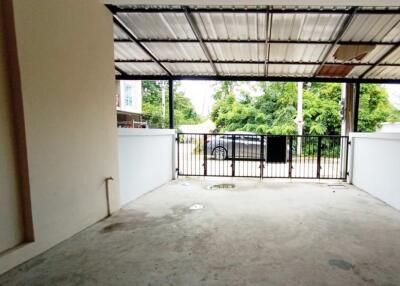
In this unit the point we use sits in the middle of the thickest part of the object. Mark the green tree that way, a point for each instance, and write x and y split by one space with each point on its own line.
274 111
321 109
375 108
153 109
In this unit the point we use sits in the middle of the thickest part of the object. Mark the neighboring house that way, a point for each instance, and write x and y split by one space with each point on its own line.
389 127
129 104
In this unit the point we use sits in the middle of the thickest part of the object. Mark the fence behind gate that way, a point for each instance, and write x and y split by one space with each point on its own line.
263 156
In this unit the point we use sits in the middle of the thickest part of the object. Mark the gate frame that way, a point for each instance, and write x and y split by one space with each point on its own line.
344 143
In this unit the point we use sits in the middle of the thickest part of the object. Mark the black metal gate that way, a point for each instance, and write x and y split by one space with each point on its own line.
262 156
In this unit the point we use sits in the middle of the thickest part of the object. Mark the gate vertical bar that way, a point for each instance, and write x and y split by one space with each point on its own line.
290 155
177 155
262 157
319 157
346 171
233 154
171 103
205 154
356 106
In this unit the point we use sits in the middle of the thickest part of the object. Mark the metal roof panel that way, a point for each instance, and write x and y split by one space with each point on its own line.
382 72
241 69
373 28
297 52
190 68
291 70
119 34
177 51
245 26
129 51
237 51
158 25
308 27
393 58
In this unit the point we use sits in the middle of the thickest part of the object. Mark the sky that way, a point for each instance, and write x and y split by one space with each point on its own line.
394 94
200 92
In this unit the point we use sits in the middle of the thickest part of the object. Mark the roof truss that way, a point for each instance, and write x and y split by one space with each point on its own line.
384 59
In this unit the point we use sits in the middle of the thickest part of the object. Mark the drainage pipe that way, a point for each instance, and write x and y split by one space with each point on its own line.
108 195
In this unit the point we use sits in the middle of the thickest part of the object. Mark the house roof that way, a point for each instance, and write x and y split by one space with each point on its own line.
257 43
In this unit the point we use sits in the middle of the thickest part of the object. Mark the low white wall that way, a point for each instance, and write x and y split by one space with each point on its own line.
375 165
146 160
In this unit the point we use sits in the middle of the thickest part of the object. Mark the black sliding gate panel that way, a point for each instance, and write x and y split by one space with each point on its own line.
262 156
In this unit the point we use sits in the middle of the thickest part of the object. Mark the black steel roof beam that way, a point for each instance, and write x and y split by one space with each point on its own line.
267 39
346 24
120 71
256 78
275 10
192 22
133 38
379 61
219 41
255 62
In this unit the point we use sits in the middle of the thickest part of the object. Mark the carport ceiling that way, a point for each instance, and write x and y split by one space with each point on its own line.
351 44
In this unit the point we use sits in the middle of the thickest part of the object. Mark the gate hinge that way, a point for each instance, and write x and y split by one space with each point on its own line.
349 142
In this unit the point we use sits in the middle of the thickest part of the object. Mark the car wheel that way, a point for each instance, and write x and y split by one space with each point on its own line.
220 153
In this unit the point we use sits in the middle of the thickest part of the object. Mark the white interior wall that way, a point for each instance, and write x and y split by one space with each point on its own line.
65 51
11 232
146 160
375 165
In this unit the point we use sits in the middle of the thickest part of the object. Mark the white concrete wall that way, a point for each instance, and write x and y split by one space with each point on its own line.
375 165
146 160
65 51
11 232
390 127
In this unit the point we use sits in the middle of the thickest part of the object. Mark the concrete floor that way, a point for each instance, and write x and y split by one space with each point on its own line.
261 233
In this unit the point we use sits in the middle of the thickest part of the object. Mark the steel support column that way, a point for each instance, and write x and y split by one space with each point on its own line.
356 106
171 103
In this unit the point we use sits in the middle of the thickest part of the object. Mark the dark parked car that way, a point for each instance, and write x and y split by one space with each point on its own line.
247 146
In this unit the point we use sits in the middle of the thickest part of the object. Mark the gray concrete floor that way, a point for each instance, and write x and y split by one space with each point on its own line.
261 233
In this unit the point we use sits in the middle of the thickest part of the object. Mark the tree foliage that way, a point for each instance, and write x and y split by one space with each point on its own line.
275 110
156 114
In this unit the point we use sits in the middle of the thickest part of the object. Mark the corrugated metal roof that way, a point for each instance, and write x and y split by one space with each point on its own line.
177 51
373 28
308 27
158 26
118 33
291 70
244 26
129 51
296 41
385 72
371 57
393 58
297 52
357 71
190 68
240 69
237 51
